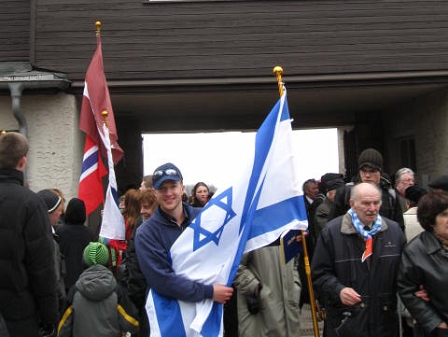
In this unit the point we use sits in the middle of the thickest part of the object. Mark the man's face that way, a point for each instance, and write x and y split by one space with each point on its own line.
169 195
367 204
405 181
370 174
312 191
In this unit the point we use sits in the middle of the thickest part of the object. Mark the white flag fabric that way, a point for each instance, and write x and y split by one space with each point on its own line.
249 214
112 225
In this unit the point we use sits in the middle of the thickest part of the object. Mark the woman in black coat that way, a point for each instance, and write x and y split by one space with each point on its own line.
425 263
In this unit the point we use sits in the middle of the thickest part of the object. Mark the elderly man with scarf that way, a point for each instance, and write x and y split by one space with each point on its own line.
354 268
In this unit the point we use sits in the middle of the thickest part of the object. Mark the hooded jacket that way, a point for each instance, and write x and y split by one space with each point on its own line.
98 307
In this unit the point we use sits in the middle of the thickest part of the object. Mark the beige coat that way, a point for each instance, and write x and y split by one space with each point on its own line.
279 296
411 224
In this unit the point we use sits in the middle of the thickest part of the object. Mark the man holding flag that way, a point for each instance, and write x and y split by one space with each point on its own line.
153 242
187 293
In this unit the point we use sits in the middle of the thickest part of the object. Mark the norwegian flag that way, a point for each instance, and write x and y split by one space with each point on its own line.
90 183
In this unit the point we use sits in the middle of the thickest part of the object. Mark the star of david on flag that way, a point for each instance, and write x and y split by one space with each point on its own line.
248 214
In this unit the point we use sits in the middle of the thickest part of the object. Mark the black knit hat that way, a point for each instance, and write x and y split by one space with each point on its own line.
440 183
334 184
331 181
414 193
370 157
76 212
52 200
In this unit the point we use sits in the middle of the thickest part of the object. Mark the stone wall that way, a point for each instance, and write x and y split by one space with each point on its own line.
55 156
424 119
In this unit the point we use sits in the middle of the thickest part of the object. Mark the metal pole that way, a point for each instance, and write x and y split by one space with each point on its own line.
278 71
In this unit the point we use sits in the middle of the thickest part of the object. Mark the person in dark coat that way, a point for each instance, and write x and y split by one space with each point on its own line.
28 299
424 263
55 209
355 266
73 238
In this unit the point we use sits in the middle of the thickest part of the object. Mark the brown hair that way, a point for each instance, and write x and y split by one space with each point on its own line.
149 197
429 206
13 146
132 207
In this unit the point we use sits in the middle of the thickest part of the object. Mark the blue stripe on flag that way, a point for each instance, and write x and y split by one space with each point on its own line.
90 161
169 316
213 320
277 215
113 190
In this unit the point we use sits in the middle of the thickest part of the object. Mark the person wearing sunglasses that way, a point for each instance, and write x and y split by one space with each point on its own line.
155 237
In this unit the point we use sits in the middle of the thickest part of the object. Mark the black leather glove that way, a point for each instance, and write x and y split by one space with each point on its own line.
253 301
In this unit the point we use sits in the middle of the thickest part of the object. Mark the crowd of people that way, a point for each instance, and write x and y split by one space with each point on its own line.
378 250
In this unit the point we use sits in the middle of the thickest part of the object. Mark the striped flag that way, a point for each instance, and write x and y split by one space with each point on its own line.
92 171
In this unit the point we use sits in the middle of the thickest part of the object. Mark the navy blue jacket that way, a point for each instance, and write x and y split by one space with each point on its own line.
153 241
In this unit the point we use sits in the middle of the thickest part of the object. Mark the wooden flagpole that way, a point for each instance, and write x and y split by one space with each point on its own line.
278 71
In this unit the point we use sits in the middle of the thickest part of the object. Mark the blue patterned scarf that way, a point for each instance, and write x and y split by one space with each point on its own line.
367 235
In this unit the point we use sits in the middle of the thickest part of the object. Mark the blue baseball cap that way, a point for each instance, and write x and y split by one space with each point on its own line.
165 172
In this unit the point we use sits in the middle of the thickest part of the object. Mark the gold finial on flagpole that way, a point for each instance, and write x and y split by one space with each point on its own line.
105 114
278 71
98 28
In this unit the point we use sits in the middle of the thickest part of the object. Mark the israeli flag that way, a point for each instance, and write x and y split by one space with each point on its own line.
249 214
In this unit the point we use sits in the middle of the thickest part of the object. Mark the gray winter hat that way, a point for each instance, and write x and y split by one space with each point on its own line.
52 200
370 157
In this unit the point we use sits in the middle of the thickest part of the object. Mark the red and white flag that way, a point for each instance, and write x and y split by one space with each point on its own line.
95 100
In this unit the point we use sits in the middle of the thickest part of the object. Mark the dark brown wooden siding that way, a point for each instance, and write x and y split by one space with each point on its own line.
14 30
175 40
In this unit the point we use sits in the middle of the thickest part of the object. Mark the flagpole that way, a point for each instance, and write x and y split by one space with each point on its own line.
278 71
98 28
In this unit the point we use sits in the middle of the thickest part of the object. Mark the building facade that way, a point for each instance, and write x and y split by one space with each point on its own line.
374 69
